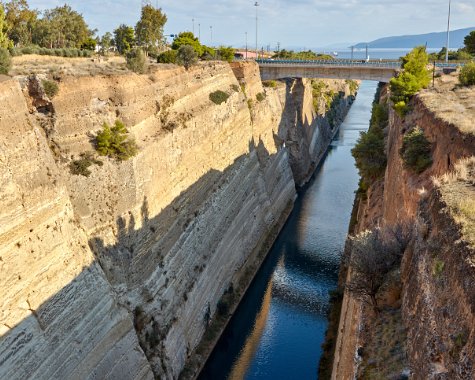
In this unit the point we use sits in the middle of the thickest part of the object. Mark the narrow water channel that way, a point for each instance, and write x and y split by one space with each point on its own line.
279 326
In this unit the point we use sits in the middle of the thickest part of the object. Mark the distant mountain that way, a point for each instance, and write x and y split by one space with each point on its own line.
433 40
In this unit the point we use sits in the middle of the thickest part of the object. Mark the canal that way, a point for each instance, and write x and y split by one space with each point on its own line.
278 329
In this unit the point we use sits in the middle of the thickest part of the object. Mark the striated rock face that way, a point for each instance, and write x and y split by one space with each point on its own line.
115 275
59 316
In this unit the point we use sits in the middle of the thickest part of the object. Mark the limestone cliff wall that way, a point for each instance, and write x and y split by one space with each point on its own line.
437 308
114 274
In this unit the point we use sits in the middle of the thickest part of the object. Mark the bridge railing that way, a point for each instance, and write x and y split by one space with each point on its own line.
333 62
348 63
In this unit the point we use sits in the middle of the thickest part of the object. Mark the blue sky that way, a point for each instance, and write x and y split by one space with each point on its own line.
302 23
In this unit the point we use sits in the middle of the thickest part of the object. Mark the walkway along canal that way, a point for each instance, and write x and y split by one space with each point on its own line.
278 328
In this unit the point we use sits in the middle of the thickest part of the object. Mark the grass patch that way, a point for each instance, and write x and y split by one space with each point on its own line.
458 193
218 97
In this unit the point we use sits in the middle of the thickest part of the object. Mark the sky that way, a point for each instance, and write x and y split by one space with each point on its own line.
296 23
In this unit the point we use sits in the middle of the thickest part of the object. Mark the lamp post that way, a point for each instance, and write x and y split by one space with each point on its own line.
199 32
211 30
256 5
246 45
448 36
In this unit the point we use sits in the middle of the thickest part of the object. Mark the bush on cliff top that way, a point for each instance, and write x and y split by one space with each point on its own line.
136 61
416 151
467 75
114 142
5 61
51 88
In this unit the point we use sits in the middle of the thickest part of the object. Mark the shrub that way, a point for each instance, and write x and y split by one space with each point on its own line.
467 75
416 151
5 61
218 97
167 57
269 83
114 142
369 154
51 88
81 166
226 53
136 61
235 87
261 96
222 307
186 56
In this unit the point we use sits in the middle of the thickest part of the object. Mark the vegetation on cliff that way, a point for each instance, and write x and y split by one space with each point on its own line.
136 61
5 61
467 75
303 55
416 151
412 79
369 150
218 97
115 142
469 42
186 56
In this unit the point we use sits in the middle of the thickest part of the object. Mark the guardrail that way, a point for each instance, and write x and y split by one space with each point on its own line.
347 63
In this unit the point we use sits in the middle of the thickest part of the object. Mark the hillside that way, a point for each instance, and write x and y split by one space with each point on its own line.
433 40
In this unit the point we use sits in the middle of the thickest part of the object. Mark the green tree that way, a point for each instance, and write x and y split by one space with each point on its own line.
65 28
186 56
226 53
124 38
89 44
188 38
106 42
413 78
149 29
136 60
115 142
5 42
469 42
20 20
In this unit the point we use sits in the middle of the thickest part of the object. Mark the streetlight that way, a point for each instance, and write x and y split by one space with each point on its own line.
199 32
246 45
256 5
448 36
193 21
211 29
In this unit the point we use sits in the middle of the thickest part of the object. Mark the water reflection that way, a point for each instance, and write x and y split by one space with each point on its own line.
279 326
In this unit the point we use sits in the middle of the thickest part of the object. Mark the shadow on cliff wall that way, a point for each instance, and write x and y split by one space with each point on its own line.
137 253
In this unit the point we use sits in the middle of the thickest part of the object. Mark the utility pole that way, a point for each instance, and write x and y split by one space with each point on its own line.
246 45
448 36
366 51
256 5
199 32
278 47
211 29
193 21
352 51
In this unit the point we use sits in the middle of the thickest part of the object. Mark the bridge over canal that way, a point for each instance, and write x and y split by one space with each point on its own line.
381 71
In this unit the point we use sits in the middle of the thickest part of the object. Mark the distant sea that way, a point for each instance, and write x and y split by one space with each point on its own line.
373 53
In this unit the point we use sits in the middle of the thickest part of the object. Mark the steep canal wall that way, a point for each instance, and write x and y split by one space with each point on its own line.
430 318
118 272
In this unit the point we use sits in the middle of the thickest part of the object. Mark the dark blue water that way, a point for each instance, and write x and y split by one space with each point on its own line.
279 326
